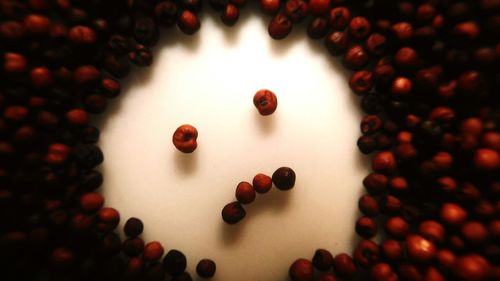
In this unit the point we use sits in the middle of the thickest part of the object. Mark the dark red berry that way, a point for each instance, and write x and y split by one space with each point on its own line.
206 268
368 205
359 27
301 270
284 178
366 253
336 42
133 227
322 259
230 15
233 213
108 219
82 35
319 7
355 57
174 262
366 227
339 18
279 27
471 267
91 201
361 81
344 266
318 28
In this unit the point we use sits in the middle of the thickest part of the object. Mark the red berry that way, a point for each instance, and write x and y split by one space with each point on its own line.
262 183
184 138
265 101
301 270
245 193
153 251
91 201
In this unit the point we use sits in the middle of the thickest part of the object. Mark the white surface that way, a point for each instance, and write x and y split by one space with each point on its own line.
209 80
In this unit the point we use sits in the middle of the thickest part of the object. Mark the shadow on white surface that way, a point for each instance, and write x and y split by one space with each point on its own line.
186 164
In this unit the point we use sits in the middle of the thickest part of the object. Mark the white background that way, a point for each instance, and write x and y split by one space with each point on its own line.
208 80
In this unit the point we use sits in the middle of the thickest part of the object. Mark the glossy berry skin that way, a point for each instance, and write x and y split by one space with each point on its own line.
366 227
262 183
336 42
233 212
230 15
108 219
355 57
184 138
57 154
471 267
319 7
270 7
37 24
359 27
77 117
153 251
391 250
453 214
279 27
382 272
344 266
322 259
284 178
361 81
486 159
432 230
301 270
296 10
245 193
397 227
339 18
368 205
91 201
82 35
419 249
318 28
366 253
188 22
265 101
384 162
14 63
